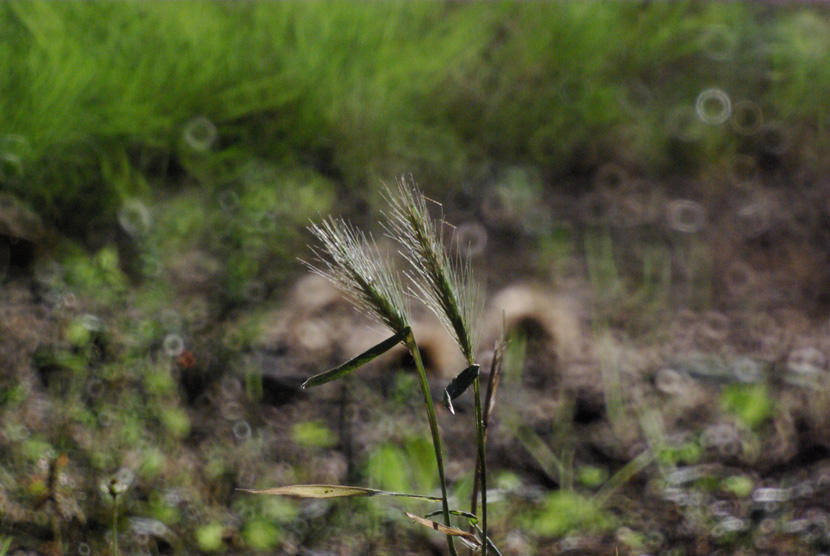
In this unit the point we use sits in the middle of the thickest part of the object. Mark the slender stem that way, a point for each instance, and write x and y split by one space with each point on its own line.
115 525
482 467
433 427
346 431
492 386
56 531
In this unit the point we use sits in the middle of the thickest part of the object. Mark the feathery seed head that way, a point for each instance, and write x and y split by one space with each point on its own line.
352 264
446 286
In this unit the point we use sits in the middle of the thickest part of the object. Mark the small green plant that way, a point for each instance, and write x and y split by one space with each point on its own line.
740 486
209 537
313 434
114 487
564 511
751 404
350 261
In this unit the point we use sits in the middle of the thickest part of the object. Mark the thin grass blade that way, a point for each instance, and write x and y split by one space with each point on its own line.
459 385
356 362
472 518
334 491
490 401
629 470
490 543
451 531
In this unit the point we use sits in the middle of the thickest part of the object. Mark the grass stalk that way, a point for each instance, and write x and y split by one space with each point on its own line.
480 475
412 346
481 464
115 525
56 532
448 289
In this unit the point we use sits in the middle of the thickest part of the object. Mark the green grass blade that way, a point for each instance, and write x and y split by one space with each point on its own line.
4 545
357 361
541 452
629 471
334 491
451 531
490 543
459 385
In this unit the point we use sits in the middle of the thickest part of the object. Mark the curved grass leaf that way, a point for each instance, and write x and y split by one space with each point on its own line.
459 385
490 543
357 361
473 519
451 531
334 491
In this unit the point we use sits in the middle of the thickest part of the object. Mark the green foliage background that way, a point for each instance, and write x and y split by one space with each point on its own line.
100 92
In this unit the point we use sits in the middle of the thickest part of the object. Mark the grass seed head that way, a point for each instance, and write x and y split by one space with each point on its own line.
352 263
446 286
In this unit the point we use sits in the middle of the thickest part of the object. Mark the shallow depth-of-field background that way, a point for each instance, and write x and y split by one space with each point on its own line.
641 186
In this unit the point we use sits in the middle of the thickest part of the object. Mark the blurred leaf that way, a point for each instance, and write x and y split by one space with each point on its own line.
420 461
334 491
591 476
738 485
209 537
314 434
356 362
748 402
13 395
564 511
278 510
5 544
262 535
459 385
389 468
152 462
176 421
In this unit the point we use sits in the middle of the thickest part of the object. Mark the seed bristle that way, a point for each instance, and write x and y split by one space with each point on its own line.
351 262
446 286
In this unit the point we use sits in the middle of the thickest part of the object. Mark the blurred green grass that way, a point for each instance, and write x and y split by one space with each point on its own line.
97 95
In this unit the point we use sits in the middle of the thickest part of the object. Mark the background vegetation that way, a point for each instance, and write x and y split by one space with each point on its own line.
159 162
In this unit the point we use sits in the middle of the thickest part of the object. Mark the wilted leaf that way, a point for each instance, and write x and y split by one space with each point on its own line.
356 362
473 519
459 385
452 531
333 491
